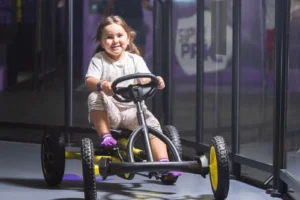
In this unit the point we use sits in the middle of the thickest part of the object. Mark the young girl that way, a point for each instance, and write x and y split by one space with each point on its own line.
117 56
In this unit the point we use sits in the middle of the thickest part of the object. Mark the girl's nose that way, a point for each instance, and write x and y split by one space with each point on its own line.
116 39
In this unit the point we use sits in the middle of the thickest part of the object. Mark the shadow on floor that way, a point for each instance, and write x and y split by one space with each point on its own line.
128 190
150 196
202 197
68 199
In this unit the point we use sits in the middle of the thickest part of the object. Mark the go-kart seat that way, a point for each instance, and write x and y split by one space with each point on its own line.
117 133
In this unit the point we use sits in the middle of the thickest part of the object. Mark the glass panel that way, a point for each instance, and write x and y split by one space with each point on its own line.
293 112
92 12
257 75
30 90
217 69
184 67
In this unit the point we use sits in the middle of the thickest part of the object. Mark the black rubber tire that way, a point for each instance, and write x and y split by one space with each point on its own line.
53 156
172 133
222 158
88 173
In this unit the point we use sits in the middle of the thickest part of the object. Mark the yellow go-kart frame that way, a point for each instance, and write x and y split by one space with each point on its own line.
116 155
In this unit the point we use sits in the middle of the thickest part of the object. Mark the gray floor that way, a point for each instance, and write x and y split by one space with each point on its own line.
21 178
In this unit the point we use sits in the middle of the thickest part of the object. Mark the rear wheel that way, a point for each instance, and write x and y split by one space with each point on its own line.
172 133
89 180
219 167
53 156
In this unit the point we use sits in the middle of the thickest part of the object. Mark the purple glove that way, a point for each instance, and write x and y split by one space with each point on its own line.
108 141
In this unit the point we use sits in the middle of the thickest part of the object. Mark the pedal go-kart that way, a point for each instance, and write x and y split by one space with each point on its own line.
125 160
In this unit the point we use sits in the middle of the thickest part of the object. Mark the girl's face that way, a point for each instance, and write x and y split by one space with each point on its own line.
114 40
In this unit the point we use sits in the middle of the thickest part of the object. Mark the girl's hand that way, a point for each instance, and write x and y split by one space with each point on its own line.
161 83
106 87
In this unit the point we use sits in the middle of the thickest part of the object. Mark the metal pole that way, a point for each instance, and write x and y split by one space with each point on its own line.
157 58
236 168
53 32
282 18
38 29
265 74
200 72
168 7
69 76
283 188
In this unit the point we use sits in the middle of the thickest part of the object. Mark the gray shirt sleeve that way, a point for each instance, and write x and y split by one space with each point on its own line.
140 64
95 68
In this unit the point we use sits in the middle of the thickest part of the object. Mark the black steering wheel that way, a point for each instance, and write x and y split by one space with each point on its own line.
135 92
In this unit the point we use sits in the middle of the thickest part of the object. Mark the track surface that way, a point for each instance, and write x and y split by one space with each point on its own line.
21 178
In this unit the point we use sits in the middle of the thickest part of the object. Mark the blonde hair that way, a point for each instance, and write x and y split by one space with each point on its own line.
116 20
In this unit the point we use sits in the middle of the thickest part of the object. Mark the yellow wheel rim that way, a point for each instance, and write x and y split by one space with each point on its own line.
213 168
96 169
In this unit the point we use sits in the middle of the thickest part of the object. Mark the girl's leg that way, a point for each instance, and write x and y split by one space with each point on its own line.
100 121
158 147
130 122
103 115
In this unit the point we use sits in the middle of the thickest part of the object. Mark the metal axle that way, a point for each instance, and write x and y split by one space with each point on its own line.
108 168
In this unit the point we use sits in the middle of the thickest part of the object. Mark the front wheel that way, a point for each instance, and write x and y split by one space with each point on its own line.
89 180
172 133
53 157
219 167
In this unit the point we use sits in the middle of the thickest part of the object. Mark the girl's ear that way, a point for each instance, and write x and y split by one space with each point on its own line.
128 39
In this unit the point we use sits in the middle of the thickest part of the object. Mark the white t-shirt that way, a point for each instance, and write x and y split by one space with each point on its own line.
103 67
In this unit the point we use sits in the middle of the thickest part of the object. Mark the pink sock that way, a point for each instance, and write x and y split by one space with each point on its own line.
173 174
164 160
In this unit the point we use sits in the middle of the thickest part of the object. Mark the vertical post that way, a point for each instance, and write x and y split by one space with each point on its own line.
44 43
263 99
236 168
69 77
218 41
282 18
53 32
168 8
157 58
283 187
37 52
200 72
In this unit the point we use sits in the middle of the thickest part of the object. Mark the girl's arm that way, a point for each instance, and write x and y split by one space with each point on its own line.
160 84
95 85
91 84
144 80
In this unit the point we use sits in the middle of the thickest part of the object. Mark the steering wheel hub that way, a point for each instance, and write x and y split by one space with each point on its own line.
135 92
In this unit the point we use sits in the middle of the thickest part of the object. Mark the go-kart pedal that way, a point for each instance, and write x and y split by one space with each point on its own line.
157 175
103 152
116 153
109 152
164 177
